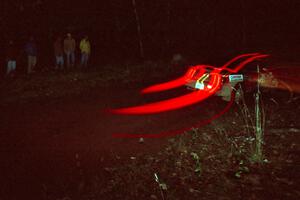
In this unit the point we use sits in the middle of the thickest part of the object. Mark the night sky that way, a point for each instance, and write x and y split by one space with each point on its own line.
195 28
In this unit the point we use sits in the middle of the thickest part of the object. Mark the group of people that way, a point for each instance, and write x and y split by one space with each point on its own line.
66 49
63 49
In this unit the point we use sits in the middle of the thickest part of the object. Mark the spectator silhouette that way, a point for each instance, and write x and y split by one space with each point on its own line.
11 56
85 48
31 51
69 49
59 53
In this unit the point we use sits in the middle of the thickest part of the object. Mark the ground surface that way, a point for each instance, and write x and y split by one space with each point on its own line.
60 146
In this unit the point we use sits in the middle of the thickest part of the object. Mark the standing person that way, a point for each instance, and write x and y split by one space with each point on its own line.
85 48
11 55
59 54
69 48
31 51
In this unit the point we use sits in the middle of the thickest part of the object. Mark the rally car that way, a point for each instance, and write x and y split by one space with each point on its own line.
205 80
200 77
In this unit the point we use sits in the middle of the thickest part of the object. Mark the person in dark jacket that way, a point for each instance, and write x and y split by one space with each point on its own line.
11 56
31 51
59 53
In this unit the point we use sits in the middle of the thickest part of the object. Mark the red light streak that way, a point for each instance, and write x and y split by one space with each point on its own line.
240 66
178 131
174 103
165 86
194 73
177 82
238 57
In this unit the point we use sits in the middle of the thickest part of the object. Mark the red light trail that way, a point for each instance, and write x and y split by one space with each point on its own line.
194 73
178 131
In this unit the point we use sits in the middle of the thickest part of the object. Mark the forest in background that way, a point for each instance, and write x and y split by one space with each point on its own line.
205 29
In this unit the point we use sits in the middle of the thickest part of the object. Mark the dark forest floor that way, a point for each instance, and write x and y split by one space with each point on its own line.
56 142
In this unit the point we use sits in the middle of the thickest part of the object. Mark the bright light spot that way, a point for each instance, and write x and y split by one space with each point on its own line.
199 86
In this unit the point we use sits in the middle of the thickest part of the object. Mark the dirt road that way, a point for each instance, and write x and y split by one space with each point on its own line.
45 139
